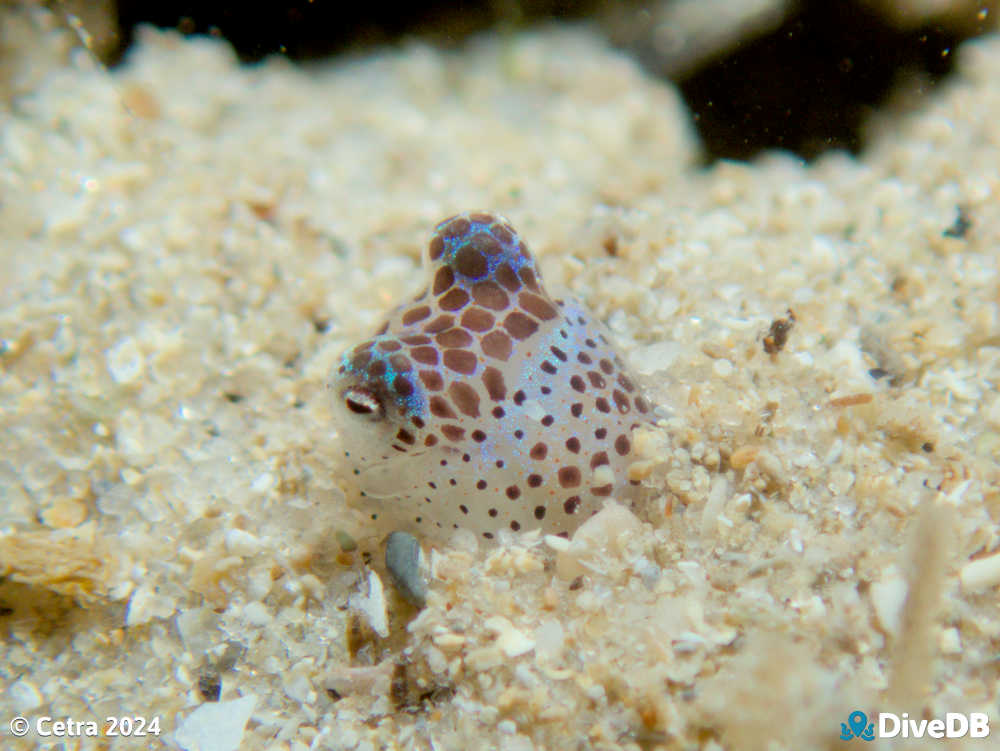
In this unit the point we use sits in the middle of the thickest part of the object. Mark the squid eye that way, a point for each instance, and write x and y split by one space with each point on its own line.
363 402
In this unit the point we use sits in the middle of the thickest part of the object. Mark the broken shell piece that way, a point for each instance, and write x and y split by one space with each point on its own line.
372 606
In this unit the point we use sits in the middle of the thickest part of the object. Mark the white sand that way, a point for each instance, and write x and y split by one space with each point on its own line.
183 229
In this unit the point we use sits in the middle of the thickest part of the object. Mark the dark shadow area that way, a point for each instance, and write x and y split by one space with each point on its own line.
312 29
807 87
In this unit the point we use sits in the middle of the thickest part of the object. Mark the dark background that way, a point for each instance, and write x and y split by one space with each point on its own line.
806 86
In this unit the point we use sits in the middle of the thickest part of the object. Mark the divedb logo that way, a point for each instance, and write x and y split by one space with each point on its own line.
889 725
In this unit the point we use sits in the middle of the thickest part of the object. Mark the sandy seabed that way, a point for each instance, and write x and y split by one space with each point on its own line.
189 244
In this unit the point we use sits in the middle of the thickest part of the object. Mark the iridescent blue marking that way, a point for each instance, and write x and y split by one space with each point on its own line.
511 250
413 403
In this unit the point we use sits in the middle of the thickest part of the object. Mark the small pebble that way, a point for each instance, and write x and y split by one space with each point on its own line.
24 696
980 574
723 368
743 456
257 614
402 559
65 514
215 726
210 685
